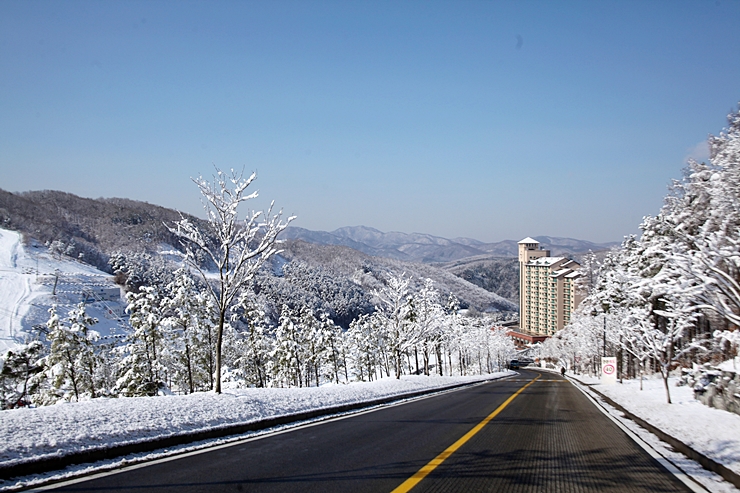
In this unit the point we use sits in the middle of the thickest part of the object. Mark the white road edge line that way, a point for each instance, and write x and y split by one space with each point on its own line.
665 462
209 448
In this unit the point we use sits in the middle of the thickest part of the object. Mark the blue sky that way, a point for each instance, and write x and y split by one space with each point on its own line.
491 120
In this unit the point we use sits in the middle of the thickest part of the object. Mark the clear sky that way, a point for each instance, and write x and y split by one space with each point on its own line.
492 120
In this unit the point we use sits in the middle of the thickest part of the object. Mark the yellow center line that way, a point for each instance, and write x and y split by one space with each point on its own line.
432 465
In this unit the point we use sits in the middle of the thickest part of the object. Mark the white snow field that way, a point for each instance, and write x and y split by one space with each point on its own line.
16 291
27 277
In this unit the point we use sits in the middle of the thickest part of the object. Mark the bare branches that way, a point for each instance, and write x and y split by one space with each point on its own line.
236 248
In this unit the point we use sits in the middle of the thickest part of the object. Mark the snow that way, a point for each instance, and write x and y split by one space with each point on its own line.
730 364
27 277
16 291
710 431
29 434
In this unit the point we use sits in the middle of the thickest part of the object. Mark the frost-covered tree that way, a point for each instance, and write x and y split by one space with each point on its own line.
289 353
72 359
20 369
364 348
256 342
395 310
427 316
141 369
189 341
135 269
236 248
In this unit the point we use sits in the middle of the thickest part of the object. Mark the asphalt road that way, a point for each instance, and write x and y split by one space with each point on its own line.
549 438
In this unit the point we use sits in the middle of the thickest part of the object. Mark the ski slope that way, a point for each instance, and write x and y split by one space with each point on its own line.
28 275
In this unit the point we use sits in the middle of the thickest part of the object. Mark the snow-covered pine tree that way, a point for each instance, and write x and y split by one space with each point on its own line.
72 358
186 349
20 369
335 348
362 347
140 369
289 351
395 310
257 342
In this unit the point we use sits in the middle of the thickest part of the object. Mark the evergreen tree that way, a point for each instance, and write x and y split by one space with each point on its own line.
20 372
72 356
140 368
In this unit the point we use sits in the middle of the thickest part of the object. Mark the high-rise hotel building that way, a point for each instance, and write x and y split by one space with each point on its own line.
547 290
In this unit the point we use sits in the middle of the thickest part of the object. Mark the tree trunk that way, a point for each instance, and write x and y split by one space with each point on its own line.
334 357
210 356
72 375
190 365
219 340
665 372
667 390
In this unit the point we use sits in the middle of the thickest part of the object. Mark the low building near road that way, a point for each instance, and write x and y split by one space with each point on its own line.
523 339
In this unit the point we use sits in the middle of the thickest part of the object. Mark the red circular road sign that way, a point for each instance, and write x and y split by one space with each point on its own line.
609 369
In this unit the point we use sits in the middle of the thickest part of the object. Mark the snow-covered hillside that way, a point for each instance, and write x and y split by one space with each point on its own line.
367 271
28 275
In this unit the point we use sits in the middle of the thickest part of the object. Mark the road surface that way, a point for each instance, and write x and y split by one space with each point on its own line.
548 438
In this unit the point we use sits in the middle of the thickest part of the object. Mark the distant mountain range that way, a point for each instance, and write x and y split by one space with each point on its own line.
417 247
484 276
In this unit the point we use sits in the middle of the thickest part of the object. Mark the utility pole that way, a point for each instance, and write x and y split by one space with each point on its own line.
604 350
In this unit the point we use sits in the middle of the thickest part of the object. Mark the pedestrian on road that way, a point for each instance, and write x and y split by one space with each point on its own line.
562 371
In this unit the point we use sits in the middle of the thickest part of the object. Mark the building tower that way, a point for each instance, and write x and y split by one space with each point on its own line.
547 290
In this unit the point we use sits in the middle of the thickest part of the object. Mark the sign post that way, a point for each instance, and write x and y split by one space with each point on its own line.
609 370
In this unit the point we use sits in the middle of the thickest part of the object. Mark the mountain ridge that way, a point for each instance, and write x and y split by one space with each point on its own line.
426 248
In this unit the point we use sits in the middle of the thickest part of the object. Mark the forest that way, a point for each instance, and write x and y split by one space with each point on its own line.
669 299
238 308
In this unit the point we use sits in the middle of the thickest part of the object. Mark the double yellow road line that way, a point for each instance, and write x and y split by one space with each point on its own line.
432 465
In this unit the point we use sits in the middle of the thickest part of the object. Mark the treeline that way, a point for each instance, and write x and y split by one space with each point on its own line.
171 347
672 297
237 315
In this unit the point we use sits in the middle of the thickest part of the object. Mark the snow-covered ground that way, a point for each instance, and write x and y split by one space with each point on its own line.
32 433
709 431
27 277
16 293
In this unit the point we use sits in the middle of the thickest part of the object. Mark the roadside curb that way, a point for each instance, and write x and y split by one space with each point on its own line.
706 462
54 463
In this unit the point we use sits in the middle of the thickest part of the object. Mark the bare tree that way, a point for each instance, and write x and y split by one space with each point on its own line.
237 249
